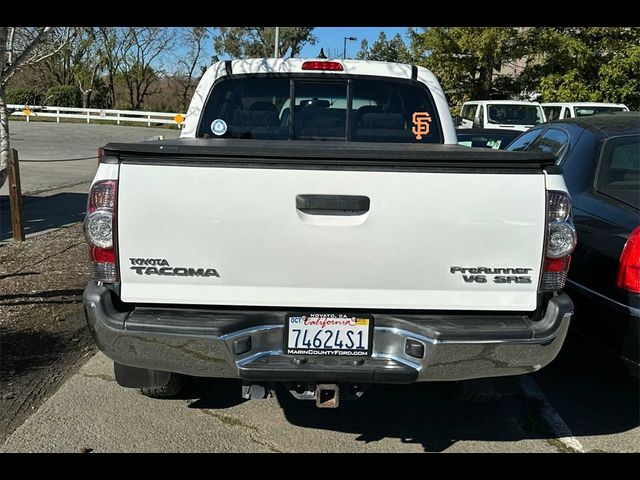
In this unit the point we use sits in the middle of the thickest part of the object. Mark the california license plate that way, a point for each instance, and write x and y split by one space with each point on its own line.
330 334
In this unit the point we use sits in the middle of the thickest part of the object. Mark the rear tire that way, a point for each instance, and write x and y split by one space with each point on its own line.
173 387
485 390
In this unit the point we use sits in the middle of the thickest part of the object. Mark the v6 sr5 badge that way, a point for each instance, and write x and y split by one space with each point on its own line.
492 274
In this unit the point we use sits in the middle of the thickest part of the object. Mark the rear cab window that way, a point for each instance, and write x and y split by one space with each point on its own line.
514 114
522 143
552 113
618 173
469 112
553 141
351 108
586 111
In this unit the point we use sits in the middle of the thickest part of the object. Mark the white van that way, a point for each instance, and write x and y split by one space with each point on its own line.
559 110
511 114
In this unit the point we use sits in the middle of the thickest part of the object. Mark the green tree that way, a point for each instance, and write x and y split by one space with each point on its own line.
467 60
88 63
620 78
584 64
78 63
113 43
23 96
383 50
258 42
64 96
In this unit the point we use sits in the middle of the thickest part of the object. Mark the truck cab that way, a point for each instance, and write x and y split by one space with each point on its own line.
507 114
561 110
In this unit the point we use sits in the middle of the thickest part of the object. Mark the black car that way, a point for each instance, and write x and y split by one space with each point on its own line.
600 156
497 138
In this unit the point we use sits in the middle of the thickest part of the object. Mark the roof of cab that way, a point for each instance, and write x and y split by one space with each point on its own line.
294 65
506 102
582 104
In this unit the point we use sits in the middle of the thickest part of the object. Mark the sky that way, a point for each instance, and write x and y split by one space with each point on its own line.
332 39
329 38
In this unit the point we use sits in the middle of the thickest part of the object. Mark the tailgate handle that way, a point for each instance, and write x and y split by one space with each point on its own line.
345 205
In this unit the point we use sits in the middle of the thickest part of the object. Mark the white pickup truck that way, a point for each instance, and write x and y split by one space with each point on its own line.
560 110
342 242
507 114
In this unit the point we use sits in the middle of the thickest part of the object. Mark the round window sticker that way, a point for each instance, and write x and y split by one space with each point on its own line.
219 127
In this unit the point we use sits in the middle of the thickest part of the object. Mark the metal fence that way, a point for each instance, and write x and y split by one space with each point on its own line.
93 114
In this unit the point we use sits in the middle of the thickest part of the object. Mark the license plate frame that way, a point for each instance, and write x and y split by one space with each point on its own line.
331 322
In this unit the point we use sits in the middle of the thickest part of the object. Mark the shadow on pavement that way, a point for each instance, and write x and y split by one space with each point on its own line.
593 393
33 298
213 393
26 350
593 397
590 389
424 414
44 213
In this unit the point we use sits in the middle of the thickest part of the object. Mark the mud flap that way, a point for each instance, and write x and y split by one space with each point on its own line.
133 377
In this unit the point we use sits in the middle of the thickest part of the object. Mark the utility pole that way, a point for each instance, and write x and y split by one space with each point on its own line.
276 53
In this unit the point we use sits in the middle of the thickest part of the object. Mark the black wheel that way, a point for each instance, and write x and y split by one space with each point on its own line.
172 388
484 390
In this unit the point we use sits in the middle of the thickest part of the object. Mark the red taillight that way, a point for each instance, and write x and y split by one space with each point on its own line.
629 267
102 255
315 65
99 228
560 241
557 264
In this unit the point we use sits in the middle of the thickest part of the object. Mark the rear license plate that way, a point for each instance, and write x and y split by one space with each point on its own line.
329 334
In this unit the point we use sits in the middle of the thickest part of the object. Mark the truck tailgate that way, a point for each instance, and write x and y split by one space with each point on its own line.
222 235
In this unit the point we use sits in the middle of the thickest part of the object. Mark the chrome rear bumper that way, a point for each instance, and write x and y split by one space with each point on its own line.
248 344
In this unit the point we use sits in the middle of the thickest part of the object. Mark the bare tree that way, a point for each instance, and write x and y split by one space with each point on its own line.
143 61
113 43
194 39
87 63
20 47
57 69
78 63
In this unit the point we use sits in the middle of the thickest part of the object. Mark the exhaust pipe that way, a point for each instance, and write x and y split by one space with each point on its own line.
327 395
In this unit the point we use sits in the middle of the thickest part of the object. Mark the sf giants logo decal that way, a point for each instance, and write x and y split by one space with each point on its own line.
421 121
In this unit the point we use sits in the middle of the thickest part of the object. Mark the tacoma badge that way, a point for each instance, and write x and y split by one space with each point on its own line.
160 266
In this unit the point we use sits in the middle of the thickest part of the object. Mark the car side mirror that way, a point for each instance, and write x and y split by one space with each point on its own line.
476 122
457 120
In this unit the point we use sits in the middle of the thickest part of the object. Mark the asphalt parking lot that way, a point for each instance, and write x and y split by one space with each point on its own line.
583 402
59 156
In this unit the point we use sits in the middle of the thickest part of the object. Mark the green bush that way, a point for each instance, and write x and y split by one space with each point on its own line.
100 96
64 96
23 96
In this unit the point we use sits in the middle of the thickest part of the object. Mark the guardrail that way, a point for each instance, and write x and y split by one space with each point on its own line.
101 114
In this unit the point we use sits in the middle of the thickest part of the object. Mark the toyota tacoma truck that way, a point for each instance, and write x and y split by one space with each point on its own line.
317 226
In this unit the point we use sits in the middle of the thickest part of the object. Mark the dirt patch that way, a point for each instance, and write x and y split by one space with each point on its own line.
43 334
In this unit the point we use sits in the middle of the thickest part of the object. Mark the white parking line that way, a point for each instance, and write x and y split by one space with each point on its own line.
549 415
